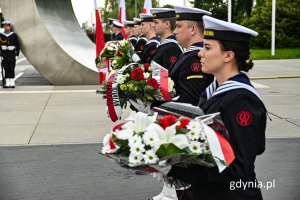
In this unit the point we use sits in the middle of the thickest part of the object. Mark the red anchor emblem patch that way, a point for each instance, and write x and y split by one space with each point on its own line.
196 67
172 59
244 118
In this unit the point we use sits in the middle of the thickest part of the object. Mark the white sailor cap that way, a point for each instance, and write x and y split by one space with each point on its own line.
146 17
222 30
192 14
6 22
128 23
110 20
137 21
117 24
159 13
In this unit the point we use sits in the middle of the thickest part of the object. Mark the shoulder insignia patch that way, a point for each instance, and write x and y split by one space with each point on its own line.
196 67
244 118
172 59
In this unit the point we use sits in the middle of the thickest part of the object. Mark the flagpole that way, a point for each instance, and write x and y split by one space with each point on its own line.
135 8
273 27
229 11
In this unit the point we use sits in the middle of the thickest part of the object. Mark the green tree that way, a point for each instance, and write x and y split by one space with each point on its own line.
287 24
219 8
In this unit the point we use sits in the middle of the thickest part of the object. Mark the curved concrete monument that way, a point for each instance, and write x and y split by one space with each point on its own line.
52 40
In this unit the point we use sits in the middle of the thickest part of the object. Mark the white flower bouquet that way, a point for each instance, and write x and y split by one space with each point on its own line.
146 140
116 53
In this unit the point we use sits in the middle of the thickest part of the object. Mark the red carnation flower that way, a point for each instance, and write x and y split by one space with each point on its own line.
137 74
183 123
167 120
146 66
152 82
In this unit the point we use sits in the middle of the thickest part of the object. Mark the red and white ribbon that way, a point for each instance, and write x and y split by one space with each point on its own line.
220 148
112 98
160 74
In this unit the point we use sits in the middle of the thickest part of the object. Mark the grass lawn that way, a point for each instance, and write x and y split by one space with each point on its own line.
265 54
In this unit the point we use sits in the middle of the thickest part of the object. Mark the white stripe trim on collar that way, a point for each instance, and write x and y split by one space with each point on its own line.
232 85
152 41
168 41
143 38
193 48
7 35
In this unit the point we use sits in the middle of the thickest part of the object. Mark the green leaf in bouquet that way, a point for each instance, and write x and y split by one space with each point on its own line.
142 82
123 144
118 59
207 157
182 131
167 150
148 89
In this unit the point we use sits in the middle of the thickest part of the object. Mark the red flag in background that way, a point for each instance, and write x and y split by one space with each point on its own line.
99 42
99 31
122 16
147 6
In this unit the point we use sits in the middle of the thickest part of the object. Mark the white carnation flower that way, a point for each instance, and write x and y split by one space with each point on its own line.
110 48
150 157
135 160
197 131
124 134
121 79
170 84
151 138
123 43
146 75
206 148
196 147
193 135
136 139
137 148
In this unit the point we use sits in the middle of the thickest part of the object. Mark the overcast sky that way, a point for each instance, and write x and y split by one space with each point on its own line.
83 8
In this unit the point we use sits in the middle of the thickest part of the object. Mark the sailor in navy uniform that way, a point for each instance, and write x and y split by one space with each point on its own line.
9 52
110 22
226 54
142 40
116 27
186 73
168 51
129 26
152 40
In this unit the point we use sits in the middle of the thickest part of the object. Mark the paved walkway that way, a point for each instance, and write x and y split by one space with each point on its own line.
77 172
37 113
47 114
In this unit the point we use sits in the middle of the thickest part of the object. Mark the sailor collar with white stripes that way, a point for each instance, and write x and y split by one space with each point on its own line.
228 85
169 40
195 47
155 39
7 34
